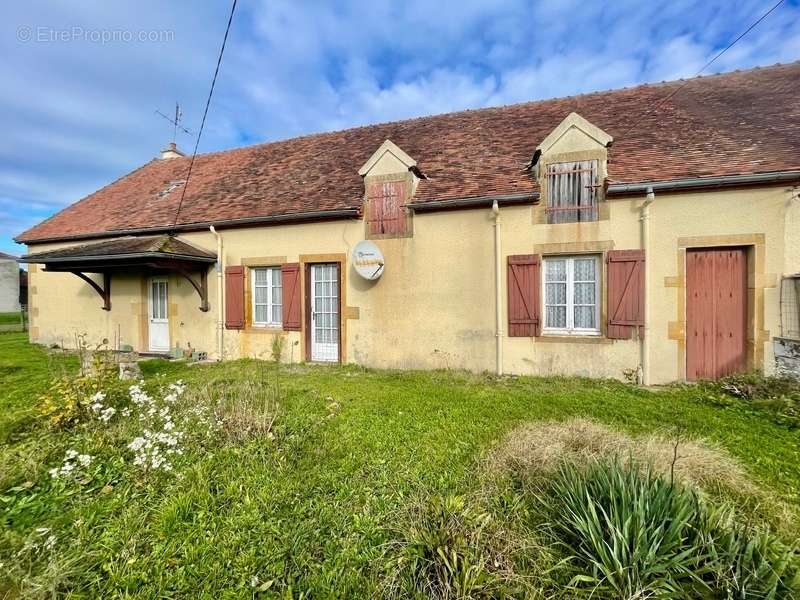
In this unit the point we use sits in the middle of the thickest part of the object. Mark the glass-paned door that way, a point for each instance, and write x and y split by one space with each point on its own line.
325 312
159 317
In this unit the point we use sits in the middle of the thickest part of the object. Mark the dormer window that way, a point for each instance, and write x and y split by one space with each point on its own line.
390 179
572 191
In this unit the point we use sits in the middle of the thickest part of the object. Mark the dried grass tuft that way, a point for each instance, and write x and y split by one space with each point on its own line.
536 450
244 410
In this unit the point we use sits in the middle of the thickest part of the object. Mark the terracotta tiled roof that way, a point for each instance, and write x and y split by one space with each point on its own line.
152 245
736 123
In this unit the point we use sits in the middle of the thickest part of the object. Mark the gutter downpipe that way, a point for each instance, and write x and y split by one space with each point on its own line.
497 291
220 299
644 342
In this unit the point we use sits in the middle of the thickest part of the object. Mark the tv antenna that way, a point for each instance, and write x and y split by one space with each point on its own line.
176 122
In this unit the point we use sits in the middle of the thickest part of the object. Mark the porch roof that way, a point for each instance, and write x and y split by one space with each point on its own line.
159 251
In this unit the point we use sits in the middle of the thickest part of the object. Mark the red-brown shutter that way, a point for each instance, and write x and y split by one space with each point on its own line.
290 280
523 295
386 210
234 297
625 293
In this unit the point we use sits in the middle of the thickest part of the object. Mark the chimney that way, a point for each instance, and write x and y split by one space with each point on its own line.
171 151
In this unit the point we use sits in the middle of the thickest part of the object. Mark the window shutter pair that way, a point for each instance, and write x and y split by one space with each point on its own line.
234 297
625 274
625 287
523 282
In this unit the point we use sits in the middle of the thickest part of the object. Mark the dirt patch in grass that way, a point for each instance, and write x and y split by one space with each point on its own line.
536 450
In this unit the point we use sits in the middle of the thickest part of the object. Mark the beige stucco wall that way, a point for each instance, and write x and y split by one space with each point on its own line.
434 306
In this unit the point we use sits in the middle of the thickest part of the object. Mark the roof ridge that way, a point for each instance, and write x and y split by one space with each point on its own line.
356 128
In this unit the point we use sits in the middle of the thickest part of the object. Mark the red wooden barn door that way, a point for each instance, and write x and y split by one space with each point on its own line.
716 312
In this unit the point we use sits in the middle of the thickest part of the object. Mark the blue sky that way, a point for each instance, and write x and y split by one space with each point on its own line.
76 113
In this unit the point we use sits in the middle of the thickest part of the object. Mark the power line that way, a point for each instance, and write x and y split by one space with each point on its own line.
205 112
705 66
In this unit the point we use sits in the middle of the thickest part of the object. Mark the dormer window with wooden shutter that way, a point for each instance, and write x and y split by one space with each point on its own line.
572 191
390 179
571 166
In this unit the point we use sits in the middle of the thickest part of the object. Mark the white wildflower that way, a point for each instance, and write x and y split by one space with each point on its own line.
85 460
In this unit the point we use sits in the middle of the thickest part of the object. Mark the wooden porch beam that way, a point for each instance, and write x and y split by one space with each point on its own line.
105 291
201 288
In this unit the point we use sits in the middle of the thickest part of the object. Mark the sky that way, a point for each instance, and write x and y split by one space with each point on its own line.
81 80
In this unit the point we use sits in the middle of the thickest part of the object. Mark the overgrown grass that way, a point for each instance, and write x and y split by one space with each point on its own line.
776 395
320 496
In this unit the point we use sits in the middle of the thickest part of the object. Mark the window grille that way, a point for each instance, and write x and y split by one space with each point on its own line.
572 192
790 307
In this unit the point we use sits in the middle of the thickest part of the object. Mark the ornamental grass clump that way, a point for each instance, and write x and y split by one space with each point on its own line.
629 533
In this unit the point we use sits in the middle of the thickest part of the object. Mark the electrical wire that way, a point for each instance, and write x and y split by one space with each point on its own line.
205 113
705 66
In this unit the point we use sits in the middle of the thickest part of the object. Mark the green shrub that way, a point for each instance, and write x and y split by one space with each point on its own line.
632 534
629 533
69 398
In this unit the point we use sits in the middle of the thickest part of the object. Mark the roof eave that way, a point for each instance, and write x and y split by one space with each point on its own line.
319 215
474 201
698 183
44 260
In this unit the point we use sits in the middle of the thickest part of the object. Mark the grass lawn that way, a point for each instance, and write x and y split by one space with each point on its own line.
311 508
11 318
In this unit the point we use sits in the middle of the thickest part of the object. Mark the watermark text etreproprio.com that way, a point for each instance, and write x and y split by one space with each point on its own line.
43 34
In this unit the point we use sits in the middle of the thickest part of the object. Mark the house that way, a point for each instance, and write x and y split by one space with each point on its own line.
639 232
9 283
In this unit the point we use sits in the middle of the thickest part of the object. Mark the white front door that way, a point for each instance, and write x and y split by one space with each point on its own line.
325 312
159 321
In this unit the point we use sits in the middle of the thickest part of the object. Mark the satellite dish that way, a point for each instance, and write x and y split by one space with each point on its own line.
368 260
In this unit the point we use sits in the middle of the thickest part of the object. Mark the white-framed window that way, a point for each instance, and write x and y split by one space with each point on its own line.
572 192
267 290
572 294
